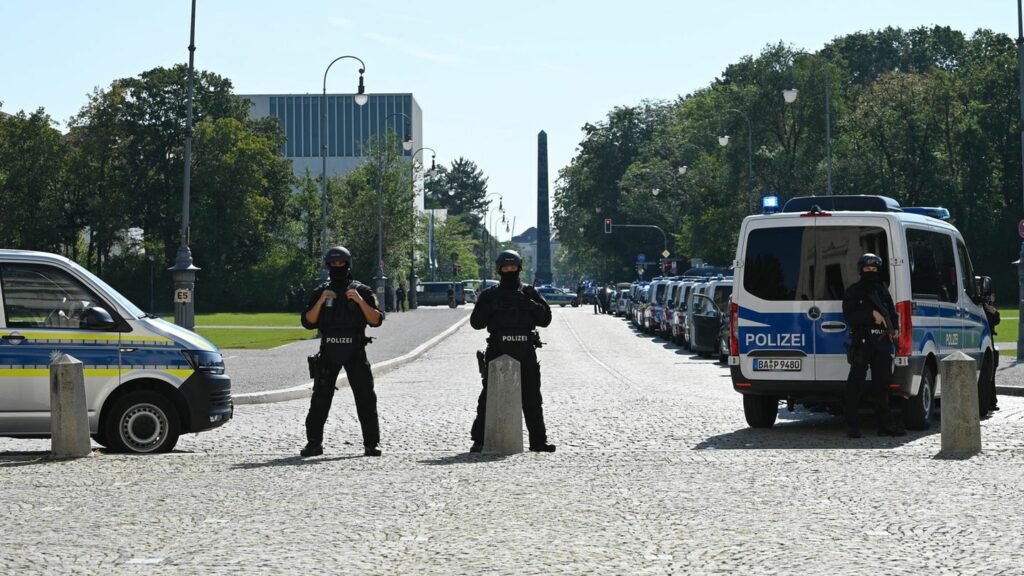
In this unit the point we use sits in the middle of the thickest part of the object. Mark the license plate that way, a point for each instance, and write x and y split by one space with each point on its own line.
778 365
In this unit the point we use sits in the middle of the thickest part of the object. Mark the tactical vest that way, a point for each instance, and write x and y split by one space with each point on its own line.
341 326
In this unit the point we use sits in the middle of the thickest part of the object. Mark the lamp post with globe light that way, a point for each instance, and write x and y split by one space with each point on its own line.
723 140
790 94
380 278
360 99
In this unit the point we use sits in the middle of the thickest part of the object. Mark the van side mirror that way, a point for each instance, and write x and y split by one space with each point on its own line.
97 318
983 287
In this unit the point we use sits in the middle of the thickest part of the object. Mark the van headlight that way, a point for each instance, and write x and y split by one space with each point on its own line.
205 361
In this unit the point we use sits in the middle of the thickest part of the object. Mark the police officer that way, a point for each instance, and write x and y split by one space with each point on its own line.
341 309
511 312
874 325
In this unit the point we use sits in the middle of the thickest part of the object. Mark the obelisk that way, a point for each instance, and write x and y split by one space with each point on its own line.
543 220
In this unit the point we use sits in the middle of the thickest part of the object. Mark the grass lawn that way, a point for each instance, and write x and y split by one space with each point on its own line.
255 319
255 338
1007 330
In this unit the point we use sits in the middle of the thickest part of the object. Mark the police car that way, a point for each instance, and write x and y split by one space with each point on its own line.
146 380
791 271
557 296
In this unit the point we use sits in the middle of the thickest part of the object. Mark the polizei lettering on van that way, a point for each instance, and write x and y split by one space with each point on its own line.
775 340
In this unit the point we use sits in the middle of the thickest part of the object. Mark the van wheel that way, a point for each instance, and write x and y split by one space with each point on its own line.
760 411
920 409
986 387
142 422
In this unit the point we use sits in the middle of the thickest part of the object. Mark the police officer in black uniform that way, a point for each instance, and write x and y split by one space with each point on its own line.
341 309
511 312
874 326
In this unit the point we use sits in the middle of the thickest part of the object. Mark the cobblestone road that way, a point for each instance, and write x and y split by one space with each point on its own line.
656 473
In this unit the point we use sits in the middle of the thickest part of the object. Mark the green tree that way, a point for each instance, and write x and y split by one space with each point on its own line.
35 214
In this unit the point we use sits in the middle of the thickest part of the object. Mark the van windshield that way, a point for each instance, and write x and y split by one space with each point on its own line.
809 262
109 292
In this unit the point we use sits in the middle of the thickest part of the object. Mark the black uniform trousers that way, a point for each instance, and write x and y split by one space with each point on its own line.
880 362
360 380
533 413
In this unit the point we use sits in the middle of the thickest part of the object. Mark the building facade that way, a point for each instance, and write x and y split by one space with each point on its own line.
347 128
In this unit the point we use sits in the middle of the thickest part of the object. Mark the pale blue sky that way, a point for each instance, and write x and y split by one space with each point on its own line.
488 75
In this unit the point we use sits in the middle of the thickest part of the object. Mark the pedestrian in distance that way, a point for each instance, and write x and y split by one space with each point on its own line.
341 309
400 294
511 313
597 299
992 315
874 327
451 295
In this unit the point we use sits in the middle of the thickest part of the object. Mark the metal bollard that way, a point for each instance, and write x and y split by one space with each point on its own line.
69 414
961 427
503 419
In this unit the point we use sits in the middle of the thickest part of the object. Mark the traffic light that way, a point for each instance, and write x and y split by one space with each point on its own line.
607 225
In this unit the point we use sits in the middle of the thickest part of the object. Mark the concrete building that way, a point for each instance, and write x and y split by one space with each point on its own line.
349 127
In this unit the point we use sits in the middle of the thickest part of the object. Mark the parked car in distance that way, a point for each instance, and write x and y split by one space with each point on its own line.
557 296
470 295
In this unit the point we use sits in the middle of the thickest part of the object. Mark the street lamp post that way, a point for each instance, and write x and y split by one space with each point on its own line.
412 251
684 167
501 208
360 98
493 240
183 271
380 278
723 140
1020 260
789 95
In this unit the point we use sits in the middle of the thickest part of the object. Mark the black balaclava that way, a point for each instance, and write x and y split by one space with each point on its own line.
509 279
340 275
871 277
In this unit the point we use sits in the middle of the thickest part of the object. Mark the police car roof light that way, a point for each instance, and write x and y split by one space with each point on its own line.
861 202
932 211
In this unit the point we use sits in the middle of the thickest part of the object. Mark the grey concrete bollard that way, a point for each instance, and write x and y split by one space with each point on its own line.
961 427
503 419
69 414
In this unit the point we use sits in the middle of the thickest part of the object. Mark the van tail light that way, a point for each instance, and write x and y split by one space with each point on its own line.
734 340
905 343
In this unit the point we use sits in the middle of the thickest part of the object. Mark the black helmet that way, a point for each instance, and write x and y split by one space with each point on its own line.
868 259
508 258
338 254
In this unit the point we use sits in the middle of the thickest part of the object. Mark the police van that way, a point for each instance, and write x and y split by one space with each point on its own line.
146 380
788 333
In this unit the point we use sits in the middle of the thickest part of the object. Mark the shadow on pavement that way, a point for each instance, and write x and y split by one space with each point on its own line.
292 461
464 458
12 459
810 434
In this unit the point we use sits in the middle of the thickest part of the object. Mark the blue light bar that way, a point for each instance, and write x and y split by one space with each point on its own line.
770 204
932 211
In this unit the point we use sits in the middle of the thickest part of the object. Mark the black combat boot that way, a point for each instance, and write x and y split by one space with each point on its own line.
371 451
476 447
312 449
545 447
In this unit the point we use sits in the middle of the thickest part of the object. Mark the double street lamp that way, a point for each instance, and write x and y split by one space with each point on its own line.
380 278
790 94
723 140
360 98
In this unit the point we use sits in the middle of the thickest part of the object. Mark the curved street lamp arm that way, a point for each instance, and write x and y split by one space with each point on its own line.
362 70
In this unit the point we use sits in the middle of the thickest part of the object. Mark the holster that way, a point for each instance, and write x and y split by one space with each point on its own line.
535 339
314 365
481 363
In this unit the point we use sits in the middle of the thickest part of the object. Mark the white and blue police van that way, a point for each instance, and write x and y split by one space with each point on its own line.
146 380
788 333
